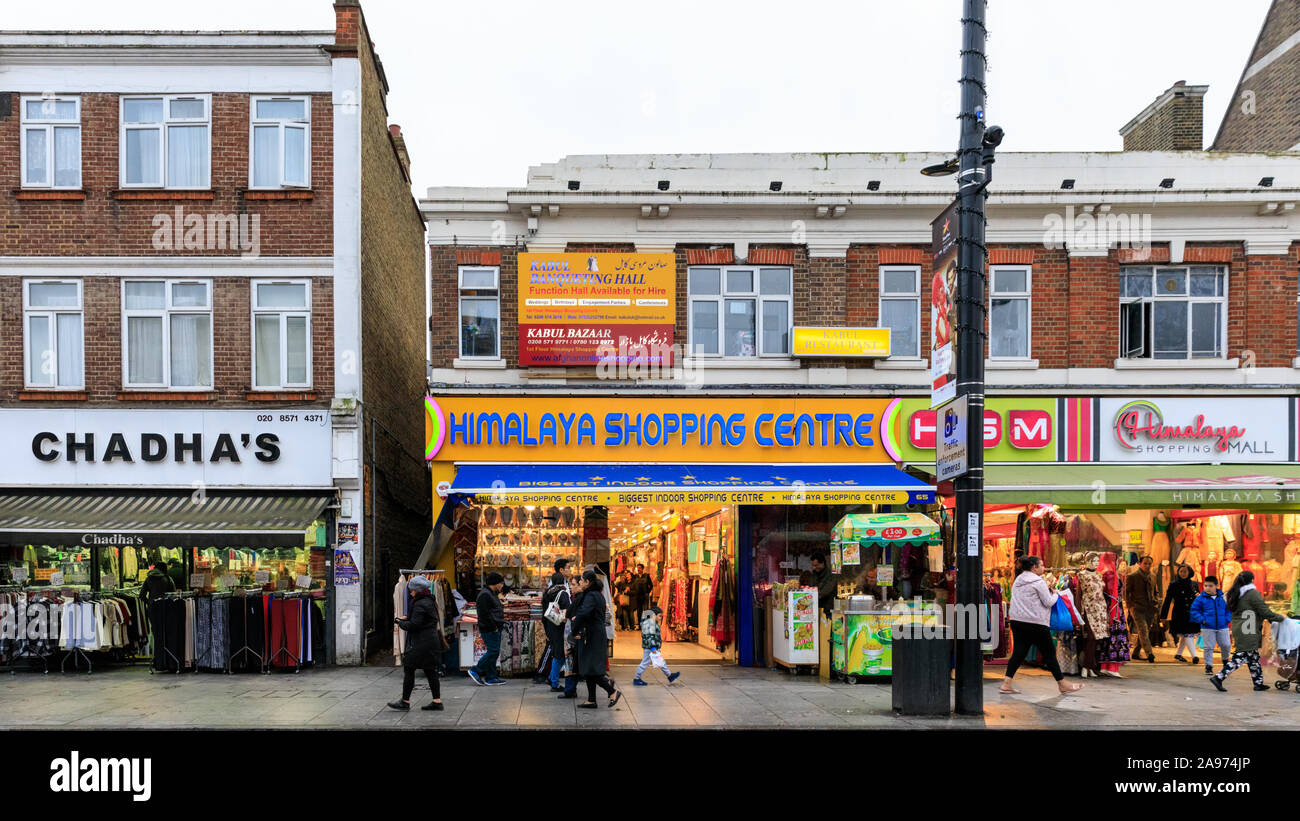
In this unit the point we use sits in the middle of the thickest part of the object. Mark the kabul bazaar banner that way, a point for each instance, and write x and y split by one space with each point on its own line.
588 309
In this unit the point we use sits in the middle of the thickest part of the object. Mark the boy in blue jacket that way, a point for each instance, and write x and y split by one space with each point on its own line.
1211 610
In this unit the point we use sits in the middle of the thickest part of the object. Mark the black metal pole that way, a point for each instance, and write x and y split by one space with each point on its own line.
970 357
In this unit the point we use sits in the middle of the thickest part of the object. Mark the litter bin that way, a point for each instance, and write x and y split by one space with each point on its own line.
922 661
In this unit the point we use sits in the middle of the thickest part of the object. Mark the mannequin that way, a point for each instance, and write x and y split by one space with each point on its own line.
1190 538
1092 601
1159 550
1229 568
1114 650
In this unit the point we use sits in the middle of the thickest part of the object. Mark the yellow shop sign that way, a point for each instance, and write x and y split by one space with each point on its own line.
841 341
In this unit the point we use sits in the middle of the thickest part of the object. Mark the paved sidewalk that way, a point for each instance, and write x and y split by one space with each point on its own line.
1159 696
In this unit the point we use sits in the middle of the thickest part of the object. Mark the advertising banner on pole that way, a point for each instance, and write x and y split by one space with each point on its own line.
943 307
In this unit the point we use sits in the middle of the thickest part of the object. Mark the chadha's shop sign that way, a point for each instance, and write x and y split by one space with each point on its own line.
588 309
1195 429
692 429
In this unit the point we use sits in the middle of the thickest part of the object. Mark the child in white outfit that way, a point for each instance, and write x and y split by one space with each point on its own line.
651 642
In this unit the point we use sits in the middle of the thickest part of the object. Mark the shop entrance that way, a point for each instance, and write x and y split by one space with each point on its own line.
681 559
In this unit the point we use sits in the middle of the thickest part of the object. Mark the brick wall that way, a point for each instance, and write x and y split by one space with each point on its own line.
231 340
104 220
1074 307
1264 114
1175 126
392 339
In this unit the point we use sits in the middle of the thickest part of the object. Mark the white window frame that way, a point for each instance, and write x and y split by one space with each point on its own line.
1025 295
304 124
284 314
47 125
1186 298
720 300
460 289
161 128
52 315
882 297
166 313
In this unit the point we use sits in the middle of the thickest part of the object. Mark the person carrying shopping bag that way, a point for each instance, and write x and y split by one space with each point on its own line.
1030 614
1249 612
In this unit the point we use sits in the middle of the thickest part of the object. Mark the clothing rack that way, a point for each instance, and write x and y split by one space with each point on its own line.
262 664
160 642
284 649
425 572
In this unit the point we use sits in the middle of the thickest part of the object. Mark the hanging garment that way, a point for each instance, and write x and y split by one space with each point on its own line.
722 604
1159 549
1067 653
1092 593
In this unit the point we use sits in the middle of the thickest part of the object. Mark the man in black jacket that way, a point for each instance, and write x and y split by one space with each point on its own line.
558 592
491 616
640 592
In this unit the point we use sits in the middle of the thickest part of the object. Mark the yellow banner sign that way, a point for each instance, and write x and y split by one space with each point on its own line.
725 497
681 429
841 341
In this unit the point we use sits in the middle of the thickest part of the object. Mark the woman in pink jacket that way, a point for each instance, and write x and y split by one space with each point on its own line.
1030 613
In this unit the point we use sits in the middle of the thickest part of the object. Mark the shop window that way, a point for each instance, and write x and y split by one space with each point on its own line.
1009 312
900 309
281 334
166 142
280 142
1172 312
480 312
51 142
740 312
167 341
52 321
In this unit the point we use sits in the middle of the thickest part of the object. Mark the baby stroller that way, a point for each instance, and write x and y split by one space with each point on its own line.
1287 634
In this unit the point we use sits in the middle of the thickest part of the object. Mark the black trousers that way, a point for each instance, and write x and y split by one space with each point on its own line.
408 681
1025 635
602 681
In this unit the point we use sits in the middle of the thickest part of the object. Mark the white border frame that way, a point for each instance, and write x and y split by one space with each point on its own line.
720 299
460 286
52 313
283 314
161 127
881 296
166 312
304 124
1027 295
24 124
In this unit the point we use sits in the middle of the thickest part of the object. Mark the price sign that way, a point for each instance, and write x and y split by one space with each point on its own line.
229 580
20 574
303 582
108 581
56 578
261 576
198 580
885 575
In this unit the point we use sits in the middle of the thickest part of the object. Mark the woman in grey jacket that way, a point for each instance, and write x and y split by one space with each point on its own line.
1030 613
1249 612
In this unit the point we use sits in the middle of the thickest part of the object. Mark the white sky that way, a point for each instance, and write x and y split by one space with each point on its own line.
485 89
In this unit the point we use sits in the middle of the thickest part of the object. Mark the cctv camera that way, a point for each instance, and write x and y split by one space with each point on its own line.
993 136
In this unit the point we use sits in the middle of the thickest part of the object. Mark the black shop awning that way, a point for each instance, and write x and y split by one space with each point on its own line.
169 518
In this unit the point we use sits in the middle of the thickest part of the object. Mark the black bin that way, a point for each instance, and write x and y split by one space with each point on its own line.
921 682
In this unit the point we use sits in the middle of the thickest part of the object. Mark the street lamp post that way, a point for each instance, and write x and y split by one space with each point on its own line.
975 160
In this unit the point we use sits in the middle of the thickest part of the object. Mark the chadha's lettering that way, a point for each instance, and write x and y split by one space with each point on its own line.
155 447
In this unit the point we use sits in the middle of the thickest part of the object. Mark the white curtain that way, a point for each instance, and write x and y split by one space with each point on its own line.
296 342
70 355
67 156
295 155
191 349
38 347
187 156
266 155
144 342
38 151
142 146
267 363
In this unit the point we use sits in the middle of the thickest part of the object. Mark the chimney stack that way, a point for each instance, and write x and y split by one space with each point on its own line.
399 145
1173 122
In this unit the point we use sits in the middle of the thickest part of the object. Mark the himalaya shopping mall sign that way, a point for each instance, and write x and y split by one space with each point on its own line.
1197 429
166 448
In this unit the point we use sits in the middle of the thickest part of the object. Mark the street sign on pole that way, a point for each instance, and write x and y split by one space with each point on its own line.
950 453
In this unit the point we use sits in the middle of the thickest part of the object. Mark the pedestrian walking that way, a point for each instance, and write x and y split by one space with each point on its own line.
491 617
591 644
641 589
1140 597
1210 610
1248 614
1179 599
651 646
560 594
1029 615
425 644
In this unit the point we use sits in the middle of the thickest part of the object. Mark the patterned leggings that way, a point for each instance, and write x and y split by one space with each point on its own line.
1249 658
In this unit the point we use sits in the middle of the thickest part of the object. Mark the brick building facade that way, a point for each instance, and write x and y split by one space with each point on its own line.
190 236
